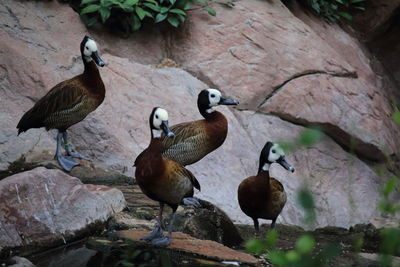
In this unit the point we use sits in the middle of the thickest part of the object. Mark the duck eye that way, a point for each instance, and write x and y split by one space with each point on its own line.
212 95
273 151
156 116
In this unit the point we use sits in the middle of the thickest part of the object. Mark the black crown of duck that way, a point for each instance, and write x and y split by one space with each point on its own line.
194 140
68 103
262 196
162 179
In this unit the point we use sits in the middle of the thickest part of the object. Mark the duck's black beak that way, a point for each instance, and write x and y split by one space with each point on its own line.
284 164
226 101
166 130
97 59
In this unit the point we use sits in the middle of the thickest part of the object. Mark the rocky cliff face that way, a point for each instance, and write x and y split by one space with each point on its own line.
288 71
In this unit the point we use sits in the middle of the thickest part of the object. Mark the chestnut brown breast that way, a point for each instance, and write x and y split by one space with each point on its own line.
162 179
261 197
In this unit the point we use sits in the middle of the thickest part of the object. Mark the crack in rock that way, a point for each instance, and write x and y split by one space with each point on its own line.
278 88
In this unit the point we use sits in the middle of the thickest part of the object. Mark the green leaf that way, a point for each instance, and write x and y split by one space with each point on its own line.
164 9
255 246
173 21
135 23
130 2
84 2
309 137
271 237
345 15
153 7
104 14
210 11
359 8
305 244
152 1
88 21
172 2
187 5
181 18
160 17
305 199
293 256
202 1
389 186
278 257
90 9
396 117
140 12
178 11
316 7
356 1
340 1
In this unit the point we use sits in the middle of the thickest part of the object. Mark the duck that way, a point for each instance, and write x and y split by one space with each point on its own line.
162 179
194 140
262 196
68 103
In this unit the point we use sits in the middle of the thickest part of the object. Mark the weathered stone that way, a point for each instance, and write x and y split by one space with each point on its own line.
124 221
42 207
20 262
184 243
208 223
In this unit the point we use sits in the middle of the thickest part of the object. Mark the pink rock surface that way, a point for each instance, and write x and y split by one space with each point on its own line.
42 207
248 52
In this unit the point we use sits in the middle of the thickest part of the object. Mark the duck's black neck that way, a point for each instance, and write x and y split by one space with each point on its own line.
203 111
263 167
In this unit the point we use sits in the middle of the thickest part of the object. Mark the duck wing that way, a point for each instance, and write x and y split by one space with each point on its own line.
62 98
189 143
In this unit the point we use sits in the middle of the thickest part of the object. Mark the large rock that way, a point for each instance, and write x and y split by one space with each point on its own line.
41 208
258 49
251 52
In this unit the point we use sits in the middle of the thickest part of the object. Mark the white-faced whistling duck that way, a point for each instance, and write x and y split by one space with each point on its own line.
194 140
262 196
68 103
162 179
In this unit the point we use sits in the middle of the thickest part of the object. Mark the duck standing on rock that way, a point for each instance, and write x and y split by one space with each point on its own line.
262 196
68 103
163 179
194 140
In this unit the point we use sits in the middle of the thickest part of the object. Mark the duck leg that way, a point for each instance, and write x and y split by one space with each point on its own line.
69 150
157 231
256 227
165 240
273 224
193 201
66 163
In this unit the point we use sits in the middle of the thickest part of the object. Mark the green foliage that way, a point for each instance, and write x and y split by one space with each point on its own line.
131 14
336 10
306 201
307 138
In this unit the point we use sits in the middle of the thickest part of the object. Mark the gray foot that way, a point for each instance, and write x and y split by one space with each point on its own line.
73 154
157 233
191 201
161 242
66 163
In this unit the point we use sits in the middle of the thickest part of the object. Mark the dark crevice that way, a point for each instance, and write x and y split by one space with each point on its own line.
278 88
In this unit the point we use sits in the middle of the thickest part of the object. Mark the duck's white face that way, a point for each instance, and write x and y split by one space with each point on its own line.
214 97
89 48
159 116
275 153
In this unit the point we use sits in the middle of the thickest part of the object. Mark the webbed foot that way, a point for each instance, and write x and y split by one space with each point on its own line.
66 163
191 201
73 154
157 233
161 242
